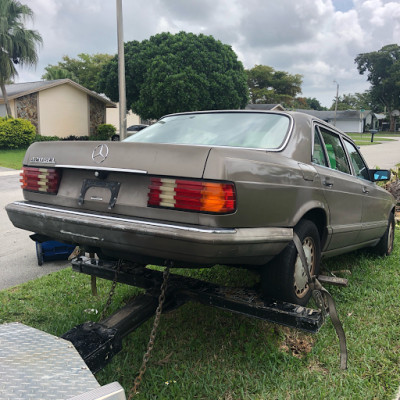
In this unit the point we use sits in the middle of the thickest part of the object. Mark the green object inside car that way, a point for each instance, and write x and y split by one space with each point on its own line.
331 155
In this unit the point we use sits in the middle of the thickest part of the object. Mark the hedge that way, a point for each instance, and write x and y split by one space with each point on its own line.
20 133
16 133
104 132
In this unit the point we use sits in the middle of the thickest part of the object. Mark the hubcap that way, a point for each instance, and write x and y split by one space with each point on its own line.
300 276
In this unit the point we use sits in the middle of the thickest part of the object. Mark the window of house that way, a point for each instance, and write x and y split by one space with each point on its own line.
3 110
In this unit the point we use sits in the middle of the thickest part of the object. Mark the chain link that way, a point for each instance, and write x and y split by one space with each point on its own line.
112 290
153 333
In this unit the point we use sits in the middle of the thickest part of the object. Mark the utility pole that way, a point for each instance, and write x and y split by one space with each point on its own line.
337 97
121 73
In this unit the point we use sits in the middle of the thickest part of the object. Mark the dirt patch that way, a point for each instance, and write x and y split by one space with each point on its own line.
297 343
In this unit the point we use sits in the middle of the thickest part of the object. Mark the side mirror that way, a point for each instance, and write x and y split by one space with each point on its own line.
379 175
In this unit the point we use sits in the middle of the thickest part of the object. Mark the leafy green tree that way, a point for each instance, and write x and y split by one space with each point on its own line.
269 86
54 72
173 73
84 70
383 69
357 101
18 45
308 103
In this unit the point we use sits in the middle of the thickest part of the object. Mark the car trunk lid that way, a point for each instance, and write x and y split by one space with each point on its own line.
145 158
112 177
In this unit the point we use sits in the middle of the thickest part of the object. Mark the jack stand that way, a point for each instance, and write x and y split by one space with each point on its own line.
324 299
97 343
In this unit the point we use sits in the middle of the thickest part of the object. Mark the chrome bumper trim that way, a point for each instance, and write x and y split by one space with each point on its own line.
261 235
131 171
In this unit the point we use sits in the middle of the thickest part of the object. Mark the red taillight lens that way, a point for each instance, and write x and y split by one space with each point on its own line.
183 194
44 180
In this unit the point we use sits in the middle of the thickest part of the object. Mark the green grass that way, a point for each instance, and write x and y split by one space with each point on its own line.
12 158
205 353
364 139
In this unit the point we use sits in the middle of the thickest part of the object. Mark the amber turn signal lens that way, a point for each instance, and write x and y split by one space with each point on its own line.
203 196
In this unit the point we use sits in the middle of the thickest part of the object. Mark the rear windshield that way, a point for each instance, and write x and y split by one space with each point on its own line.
251 130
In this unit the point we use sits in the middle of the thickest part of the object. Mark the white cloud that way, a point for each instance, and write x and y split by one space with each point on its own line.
316 38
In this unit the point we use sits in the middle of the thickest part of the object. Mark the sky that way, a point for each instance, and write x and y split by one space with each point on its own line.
318 39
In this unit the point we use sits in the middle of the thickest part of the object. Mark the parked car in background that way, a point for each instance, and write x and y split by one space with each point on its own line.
135 128
203 188
131 130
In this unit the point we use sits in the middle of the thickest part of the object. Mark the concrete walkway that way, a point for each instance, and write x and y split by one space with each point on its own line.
384 155
18 262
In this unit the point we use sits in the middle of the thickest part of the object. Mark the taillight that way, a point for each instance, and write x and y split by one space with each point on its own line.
214 197
44 180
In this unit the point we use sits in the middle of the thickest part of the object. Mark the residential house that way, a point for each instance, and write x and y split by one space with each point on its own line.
265 107
60 107
347 121
113 117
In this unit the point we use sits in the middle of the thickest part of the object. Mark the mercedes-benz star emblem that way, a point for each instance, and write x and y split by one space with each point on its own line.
100 153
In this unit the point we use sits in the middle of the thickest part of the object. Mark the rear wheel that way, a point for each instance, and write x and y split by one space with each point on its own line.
284 277
385 245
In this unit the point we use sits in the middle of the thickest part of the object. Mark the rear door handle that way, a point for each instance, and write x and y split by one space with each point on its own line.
326 182
365 190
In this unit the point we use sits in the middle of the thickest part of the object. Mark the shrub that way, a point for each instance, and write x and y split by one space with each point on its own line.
73 137
16 133
40 138
104 132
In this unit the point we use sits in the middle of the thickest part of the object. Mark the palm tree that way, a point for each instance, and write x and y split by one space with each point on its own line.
17 44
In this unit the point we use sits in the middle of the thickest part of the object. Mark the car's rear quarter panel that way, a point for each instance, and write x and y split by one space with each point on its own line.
272 190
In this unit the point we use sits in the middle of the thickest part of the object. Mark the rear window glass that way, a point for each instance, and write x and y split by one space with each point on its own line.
251 130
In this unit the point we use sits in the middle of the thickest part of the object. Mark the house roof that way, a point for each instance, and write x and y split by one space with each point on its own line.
340 115
16 90
271 107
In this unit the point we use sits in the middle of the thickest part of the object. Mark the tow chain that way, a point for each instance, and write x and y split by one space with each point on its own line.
112 290
153 333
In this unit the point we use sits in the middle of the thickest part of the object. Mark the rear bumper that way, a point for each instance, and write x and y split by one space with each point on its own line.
131 238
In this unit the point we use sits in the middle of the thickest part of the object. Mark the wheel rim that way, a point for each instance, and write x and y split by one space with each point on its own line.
300 276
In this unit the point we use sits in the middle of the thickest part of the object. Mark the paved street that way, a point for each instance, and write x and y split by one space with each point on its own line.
385 155
18 262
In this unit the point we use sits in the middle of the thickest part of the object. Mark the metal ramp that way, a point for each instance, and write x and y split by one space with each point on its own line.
35 365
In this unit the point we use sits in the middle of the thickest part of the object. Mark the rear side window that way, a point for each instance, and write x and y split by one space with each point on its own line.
318 156
360 169
335 151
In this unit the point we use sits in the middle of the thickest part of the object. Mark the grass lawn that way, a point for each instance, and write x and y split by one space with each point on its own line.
205 353
12 158
364 139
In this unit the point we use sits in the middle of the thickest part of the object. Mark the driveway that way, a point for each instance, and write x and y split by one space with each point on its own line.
384 155
18 262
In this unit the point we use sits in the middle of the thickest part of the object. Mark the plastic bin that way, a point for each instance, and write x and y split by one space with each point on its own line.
52 250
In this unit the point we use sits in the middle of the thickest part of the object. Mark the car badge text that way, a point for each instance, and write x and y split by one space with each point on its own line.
100 153
44 160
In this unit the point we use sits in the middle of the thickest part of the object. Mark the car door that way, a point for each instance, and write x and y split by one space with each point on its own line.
342 190
374 217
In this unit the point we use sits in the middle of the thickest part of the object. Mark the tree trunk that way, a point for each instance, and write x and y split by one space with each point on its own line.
5 97
392 122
